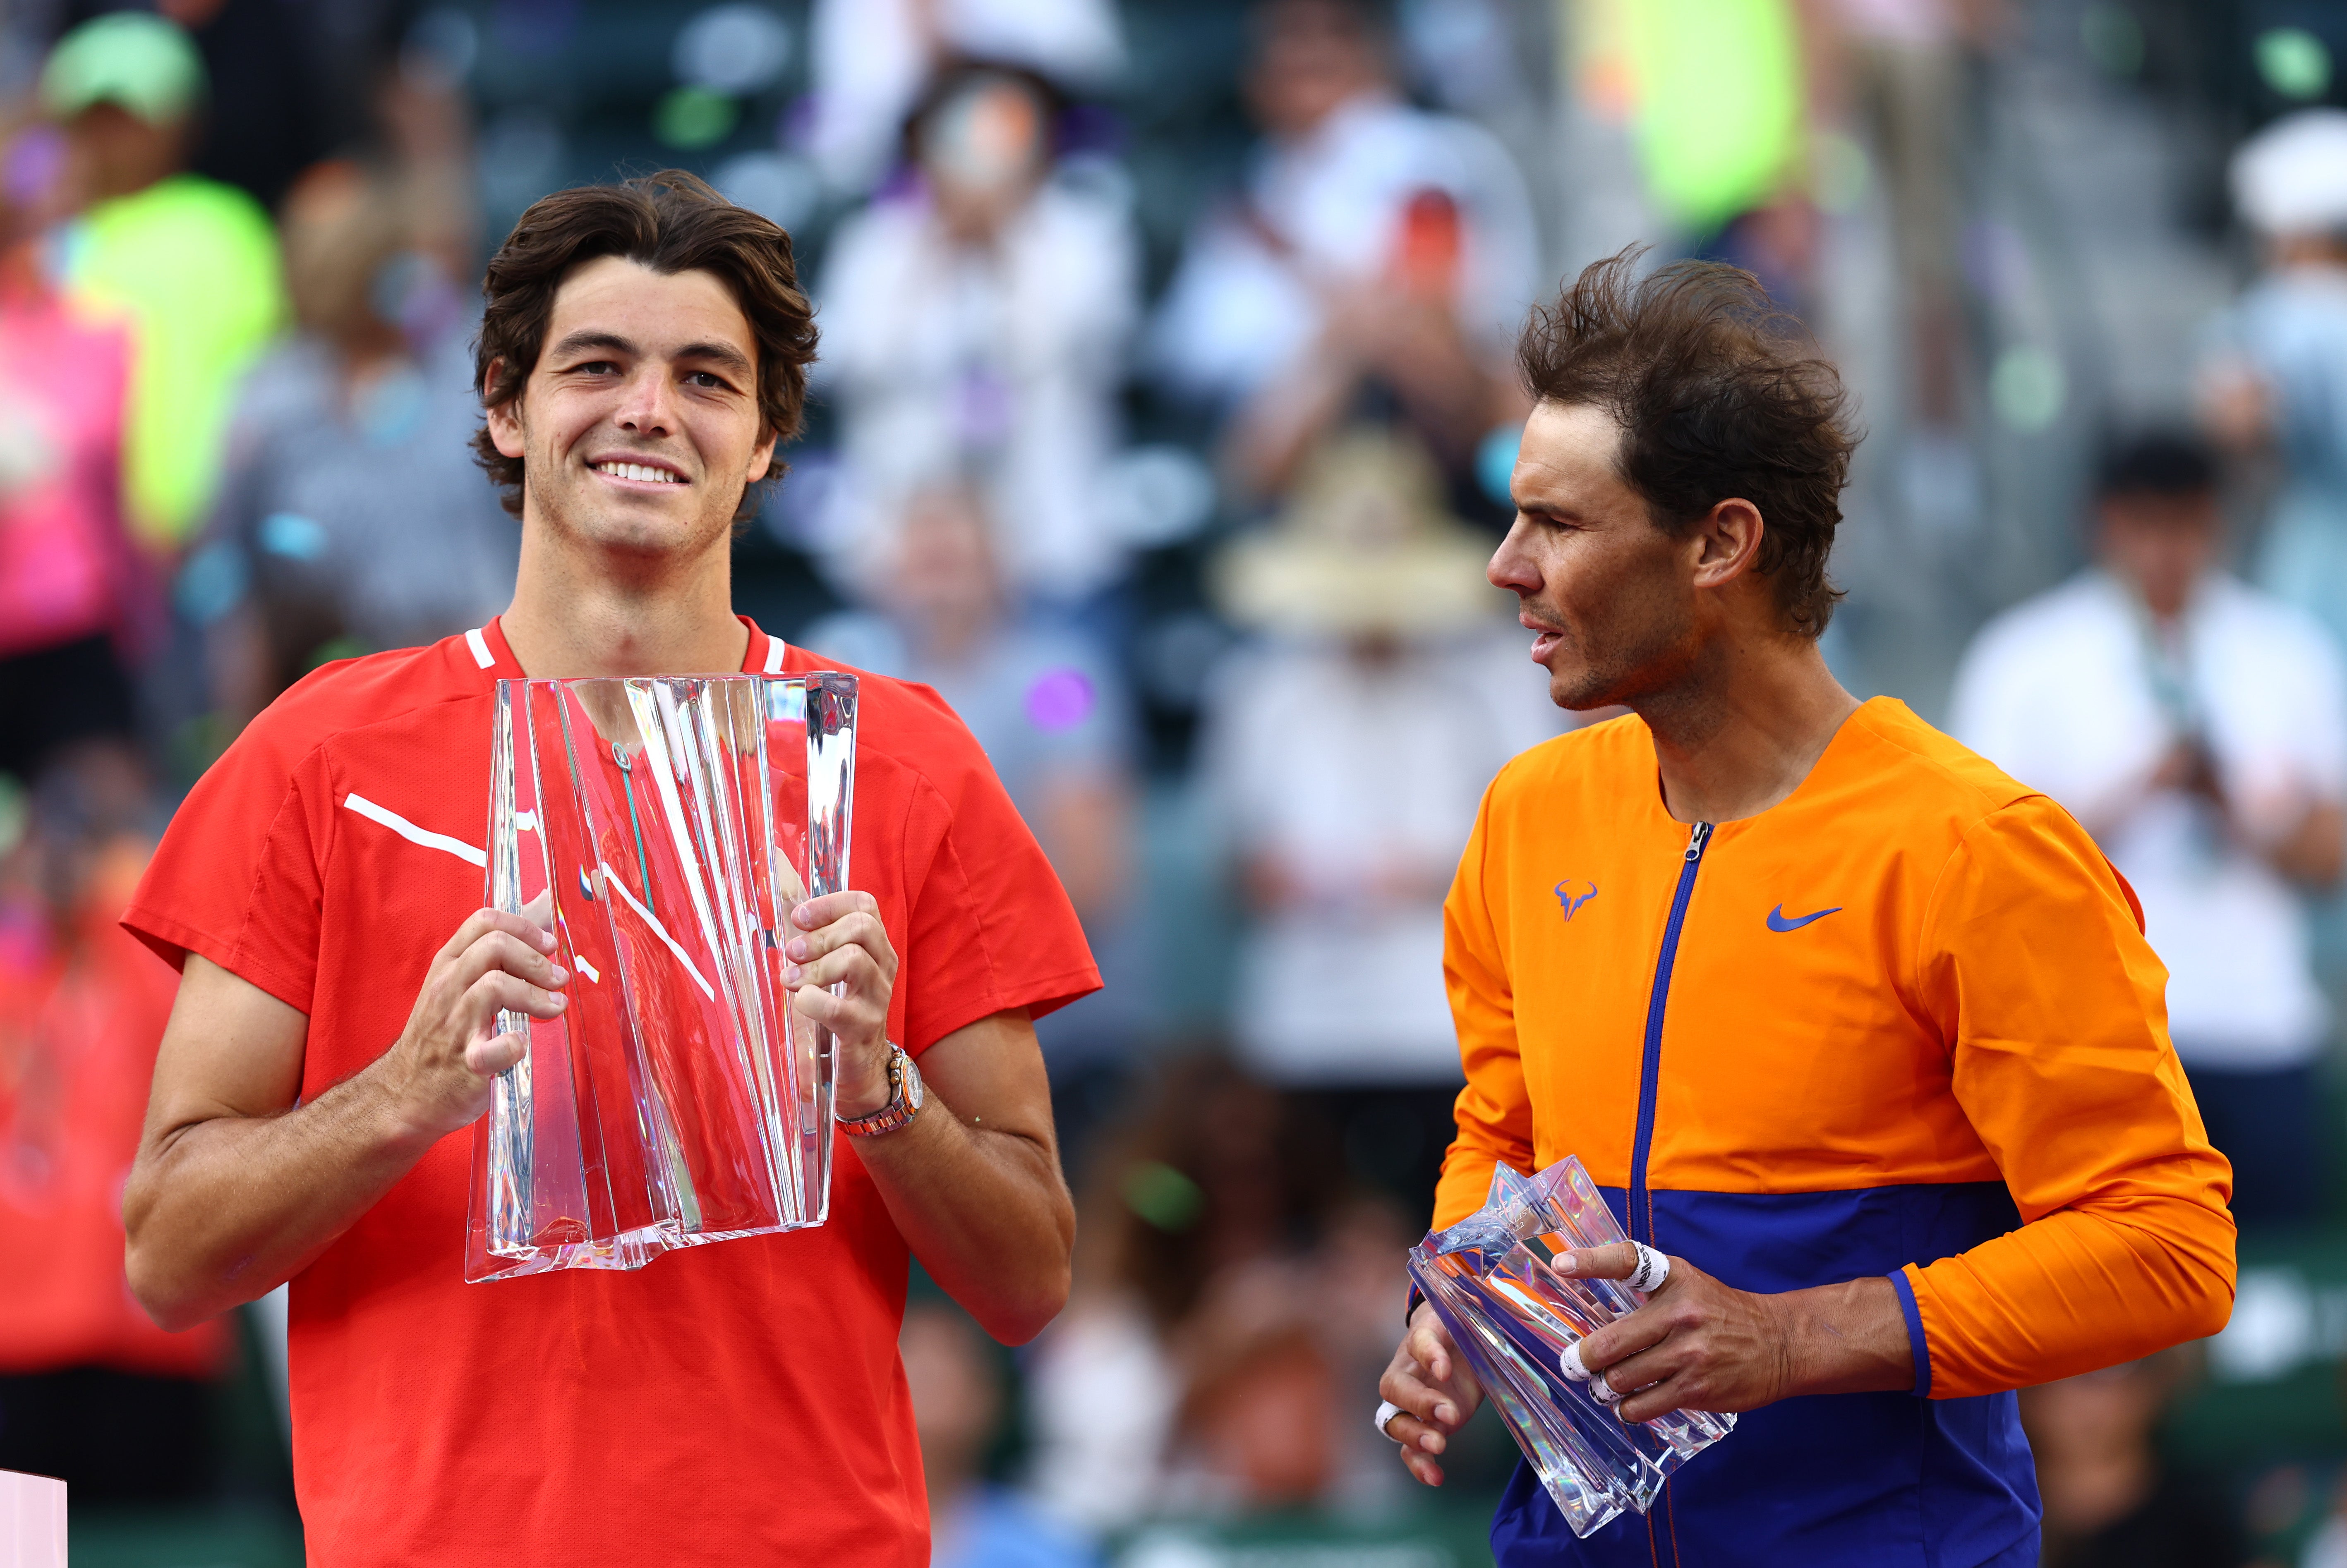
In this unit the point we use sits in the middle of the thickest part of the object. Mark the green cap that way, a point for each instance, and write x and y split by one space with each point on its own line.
136 61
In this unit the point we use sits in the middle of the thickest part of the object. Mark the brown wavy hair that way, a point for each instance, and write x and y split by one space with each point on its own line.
672 222
1719 395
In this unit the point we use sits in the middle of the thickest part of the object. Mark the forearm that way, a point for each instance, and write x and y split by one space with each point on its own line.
1849 1339
220 1211
986 1212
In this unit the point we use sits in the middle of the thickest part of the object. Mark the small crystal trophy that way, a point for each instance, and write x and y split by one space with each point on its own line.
661 829
1490 1279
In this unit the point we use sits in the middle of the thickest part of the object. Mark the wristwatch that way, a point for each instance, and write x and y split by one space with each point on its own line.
903 1103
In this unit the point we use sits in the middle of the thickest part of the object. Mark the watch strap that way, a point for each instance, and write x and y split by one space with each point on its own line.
904 1104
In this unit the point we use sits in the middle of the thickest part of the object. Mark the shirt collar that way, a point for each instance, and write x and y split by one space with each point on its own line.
486 649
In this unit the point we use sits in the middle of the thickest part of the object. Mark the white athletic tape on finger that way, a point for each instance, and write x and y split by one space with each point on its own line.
1652 1270
1569 1363
1386 1412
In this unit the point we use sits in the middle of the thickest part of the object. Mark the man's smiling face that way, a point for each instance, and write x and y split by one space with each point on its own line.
639 427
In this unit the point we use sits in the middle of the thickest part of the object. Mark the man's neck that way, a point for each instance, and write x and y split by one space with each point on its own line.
571 617
1744 728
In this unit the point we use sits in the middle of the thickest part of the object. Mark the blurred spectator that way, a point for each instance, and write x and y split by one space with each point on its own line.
2111 1501
874 60
72 583
1231 1300
1276 1355
1348 755
1379 255
1052 715
1040 700
266 121
1715 91
1894 71
956 1378
351 516
976 323
2199 729
2277 373
189 262
90 1389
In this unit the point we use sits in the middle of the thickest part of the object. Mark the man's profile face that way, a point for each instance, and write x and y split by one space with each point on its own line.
640 425
1605 592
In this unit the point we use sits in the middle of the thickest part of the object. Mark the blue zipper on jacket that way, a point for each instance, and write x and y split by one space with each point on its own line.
1650 1069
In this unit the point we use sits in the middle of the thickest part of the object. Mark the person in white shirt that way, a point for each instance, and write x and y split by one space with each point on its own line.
975 326
1347 750
2273 382
1376 251
2197 727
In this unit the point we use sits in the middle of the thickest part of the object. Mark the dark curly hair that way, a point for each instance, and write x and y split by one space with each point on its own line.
1719 395
672 222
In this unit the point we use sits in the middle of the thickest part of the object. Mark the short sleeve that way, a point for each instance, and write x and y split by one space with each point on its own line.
987 927
239 875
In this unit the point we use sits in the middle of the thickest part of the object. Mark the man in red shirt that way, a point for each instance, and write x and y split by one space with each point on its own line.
643 351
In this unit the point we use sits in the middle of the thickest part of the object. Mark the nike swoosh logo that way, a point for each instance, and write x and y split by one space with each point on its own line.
1776 921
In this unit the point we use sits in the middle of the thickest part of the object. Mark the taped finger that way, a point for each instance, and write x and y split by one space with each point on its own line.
1653 1268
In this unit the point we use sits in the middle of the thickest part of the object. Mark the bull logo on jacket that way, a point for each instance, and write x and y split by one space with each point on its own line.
1573 893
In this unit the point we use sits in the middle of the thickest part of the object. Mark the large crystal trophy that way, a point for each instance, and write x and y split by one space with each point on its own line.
661 829
1492 1279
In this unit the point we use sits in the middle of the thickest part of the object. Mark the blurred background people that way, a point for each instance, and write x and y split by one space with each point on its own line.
2111 1500
874 60
2197 727
975 321
351 515
1050 712
2275 377
189 262
957 1379
1894 72
1377 261
76 594
90 1389
1347 753
1229 1299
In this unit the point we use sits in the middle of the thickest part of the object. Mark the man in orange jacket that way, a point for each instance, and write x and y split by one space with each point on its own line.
1862 1033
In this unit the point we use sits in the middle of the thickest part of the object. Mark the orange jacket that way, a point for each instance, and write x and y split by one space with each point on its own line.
1904 1022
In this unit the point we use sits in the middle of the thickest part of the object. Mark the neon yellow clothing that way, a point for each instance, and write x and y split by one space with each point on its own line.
1718 89
191 266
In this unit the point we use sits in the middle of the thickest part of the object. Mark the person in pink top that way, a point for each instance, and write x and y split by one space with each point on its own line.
71 581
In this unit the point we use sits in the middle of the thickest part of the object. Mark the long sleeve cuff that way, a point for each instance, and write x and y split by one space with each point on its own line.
1915 1345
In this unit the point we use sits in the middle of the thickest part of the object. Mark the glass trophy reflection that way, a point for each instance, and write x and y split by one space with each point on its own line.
661 829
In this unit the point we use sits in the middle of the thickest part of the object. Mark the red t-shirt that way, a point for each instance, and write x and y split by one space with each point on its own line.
735 1403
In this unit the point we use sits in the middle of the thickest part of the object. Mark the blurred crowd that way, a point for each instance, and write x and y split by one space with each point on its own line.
1164 424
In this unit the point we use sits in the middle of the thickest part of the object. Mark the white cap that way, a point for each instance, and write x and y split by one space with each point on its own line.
2291 177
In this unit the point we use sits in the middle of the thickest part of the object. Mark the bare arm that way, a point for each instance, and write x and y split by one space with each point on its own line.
972 1182
234 1189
